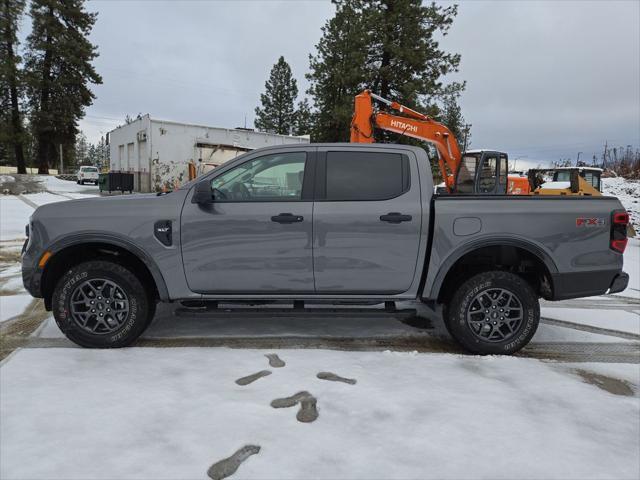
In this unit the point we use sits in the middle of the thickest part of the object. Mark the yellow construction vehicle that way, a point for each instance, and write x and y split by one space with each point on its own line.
566 181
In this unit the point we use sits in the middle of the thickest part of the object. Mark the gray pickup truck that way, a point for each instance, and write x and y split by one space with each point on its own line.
337 224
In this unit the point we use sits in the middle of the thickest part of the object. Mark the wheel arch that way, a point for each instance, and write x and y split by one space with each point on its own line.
75 249
472 251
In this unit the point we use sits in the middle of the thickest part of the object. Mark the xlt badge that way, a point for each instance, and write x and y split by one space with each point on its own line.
162 231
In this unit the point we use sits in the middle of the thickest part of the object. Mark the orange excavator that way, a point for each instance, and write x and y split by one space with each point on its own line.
474 172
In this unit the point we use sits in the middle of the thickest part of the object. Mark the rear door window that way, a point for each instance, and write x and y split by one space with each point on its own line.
366 175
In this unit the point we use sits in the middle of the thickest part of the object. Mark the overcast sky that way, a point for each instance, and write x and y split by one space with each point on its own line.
545 79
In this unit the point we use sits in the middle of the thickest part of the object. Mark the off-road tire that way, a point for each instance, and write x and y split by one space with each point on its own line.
139 316
458 307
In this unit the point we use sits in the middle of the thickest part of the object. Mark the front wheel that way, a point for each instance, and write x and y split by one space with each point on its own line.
100 304
493 313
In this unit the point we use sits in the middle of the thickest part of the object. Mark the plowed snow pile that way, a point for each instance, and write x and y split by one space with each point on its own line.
628 191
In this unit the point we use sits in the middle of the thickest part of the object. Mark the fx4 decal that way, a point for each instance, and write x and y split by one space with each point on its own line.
590 222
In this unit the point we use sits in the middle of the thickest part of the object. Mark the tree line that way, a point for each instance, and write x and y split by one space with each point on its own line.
44 93
623 161
389 46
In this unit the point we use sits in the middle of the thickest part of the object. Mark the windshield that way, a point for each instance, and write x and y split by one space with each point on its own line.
88 169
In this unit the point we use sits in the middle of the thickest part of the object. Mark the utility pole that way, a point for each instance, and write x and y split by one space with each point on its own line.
514 162
61 166
604 156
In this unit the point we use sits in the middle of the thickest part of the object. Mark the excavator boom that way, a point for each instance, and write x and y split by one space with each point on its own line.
412 124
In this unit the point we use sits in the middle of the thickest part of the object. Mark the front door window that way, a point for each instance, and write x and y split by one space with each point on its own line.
272 178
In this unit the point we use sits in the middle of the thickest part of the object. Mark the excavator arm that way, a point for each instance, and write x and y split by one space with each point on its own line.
412 124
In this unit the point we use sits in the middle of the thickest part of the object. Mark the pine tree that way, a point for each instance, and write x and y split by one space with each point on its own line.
59 72
338 70
389 46
82 150
11 127
405 60
303 119
451 116
103 154
277 113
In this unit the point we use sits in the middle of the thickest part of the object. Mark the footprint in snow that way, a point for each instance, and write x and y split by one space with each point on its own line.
229 465
252 378
275 361
335 378
308 406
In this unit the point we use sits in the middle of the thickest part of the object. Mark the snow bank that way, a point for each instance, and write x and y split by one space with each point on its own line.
628 192
154 413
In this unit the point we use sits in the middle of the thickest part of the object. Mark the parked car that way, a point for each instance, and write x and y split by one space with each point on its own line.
87 174
323 223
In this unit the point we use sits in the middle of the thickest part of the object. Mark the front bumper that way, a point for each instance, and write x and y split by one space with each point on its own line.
619 283
31 276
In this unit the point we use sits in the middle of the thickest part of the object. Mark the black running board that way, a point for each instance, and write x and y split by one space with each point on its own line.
298 310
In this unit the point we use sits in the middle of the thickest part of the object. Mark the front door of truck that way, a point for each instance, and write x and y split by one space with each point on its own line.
256 235
367 221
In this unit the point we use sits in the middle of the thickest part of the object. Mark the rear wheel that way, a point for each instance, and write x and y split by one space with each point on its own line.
101 304
493 313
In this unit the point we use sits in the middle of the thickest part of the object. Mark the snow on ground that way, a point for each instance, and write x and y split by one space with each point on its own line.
54 184
44 198
14 215
628 192
6 179
632 267
13 305
11 277
611 319
171 413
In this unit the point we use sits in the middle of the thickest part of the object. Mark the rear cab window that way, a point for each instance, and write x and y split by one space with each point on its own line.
356 176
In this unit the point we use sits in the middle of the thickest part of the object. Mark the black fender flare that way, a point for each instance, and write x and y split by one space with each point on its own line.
116 241
466 248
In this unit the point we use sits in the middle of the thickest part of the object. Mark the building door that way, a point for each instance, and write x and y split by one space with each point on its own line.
256 236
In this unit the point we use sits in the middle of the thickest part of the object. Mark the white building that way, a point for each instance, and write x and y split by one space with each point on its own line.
163 154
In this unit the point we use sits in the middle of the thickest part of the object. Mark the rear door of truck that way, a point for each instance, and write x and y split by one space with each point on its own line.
367 220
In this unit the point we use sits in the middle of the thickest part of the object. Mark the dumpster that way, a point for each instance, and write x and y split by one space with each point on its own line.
115 182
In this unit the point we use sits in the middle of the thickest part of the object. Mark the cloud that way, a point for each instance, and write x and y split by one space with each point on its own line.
545 80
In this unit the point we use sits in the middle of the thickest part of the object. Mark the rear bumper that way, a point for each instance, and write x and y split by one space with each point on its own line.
619 282
588 284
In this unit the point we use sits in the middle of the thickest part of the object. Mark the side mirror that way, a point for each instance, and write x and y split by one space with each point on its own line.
202 193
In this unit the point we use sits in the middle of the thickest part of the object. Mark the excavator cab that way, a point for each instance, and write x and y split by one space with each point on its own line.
482 172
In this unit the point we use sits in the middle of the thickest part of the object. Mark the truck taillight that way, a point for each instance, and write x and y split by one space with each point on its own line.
619 222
